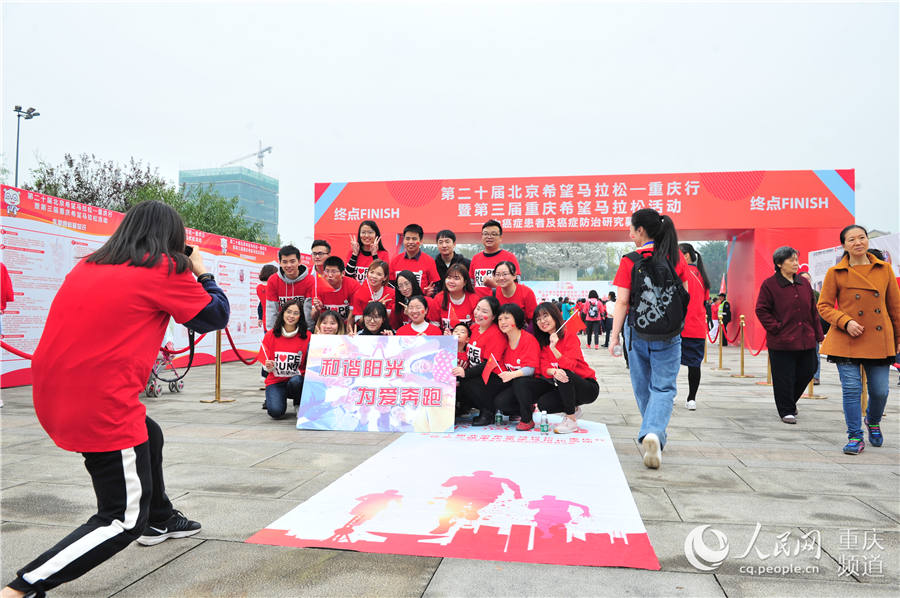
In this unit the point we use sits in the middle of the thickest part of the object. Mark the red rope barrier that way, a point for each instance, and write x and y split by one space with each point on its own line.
761 348
177 351
715 338
236 351
15 351
736 336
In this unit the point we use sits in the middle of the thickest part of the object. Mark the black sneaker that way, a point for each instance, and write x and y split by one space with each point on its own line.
178 526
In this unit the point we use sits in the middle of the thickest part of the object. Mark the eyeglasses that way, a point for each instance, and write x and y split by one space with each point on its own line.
372 317
490 235
319 253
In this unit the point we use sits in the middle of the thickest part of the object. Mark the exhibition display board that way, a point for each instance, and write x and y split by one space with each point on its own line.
43 237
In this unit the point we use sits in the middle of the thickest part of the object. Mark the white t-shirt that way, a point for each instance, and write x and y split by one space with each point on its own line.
610 308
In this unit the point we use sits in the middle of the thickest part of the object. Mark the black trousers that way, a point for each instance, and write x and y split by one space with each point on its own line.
566 396
791 373
519 396
593 327
475 392
130 493
607 327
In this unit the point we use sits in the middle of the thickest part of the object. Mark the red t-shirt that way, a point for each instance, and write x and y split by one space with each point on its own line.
695 320
289 355
482 345
422 266
339 300
526 354
523 297
454 313
623 274
570 358
430 330
482 265
363 261
100 340
363 296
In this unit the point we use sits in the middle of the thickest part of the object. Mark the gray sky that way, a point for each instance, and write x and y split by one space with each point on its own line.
421 90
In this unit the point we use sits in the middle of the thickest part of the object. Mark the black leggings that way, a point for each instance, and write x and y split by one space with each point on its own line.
566 396
519 396
130 493
593 327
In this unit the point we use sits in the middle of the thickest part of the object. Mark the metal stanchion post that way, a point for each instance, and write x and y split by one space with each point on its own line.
864 398
721 343
810 394
706 349
218 398
768 381
742 374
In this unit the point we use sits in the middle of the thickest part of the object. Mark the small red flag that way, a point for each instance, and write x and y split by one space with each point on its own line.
574 324
451 315
488 368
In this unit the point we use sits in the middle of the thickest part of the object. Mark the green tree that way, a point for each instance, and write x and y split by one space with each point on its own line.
108 185
204 209
715 255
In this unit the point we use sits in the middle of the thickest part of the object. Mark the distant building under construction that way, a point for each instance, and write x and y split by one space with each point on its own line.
256 192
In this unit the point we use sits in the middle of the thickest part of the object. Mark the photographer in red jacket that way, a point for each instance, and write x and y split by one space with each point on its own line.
100 341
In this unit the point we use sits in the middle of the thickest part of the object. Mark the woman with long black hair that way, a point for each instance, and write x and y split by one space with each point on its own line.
283 353
365 248
562 363
659 268
408 287
693 337
99 343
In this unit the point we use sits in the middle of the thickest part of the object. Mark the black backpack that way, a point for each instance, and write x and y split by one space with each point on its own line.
593 309
658 302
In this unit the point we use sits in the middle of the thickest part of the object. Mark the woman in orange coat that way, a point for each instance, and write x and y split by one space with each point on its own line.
861 301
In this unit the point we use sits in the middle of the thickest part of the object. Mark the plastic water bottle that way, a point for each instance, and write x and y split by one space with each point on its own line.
545 424
617 350
498 418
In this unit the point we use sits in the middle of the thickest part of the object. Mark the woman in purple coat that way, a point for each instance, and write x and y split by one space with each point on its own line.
786 307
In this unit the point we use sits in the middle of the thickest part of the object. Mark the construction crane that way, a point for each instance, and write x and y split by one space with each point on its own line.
259 157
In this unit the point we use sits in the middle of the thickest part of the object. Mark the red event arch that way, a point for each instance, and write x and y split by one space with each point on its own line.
757 211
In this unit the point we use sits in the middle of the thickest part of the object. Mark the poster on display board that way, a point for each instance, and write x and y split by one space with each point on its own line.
823 259
43 237
379 384
479 493
552 290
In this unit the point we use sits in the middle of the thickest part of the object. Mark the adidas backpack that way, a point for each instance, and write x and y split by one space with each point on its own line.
658 302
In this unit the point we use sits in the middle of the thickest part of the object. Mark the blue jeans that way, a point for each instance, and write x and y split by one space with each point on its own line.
654 369
277 395
877 379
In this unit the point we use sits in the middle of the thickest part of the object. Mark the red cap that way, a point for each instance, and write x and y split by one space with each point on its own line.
803 268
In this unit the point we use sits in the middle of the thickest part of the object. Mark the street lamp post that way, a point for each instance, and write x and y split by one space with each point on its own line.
28 114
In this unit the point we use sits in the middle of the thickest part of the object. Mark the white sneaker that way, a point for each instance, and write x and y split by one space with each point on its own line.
789 419
691 405
567 426
652 451
578 412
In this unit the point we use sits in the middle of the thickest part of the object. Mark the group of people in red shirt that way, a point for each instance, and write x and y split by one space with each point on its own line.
481 302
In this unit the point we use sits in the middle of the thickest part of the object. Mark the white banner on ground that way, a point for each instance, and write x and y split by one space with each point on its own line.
480 493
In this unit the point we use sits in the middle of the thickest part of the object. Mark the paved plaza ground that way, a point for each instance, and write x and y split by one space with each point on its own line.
731 464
